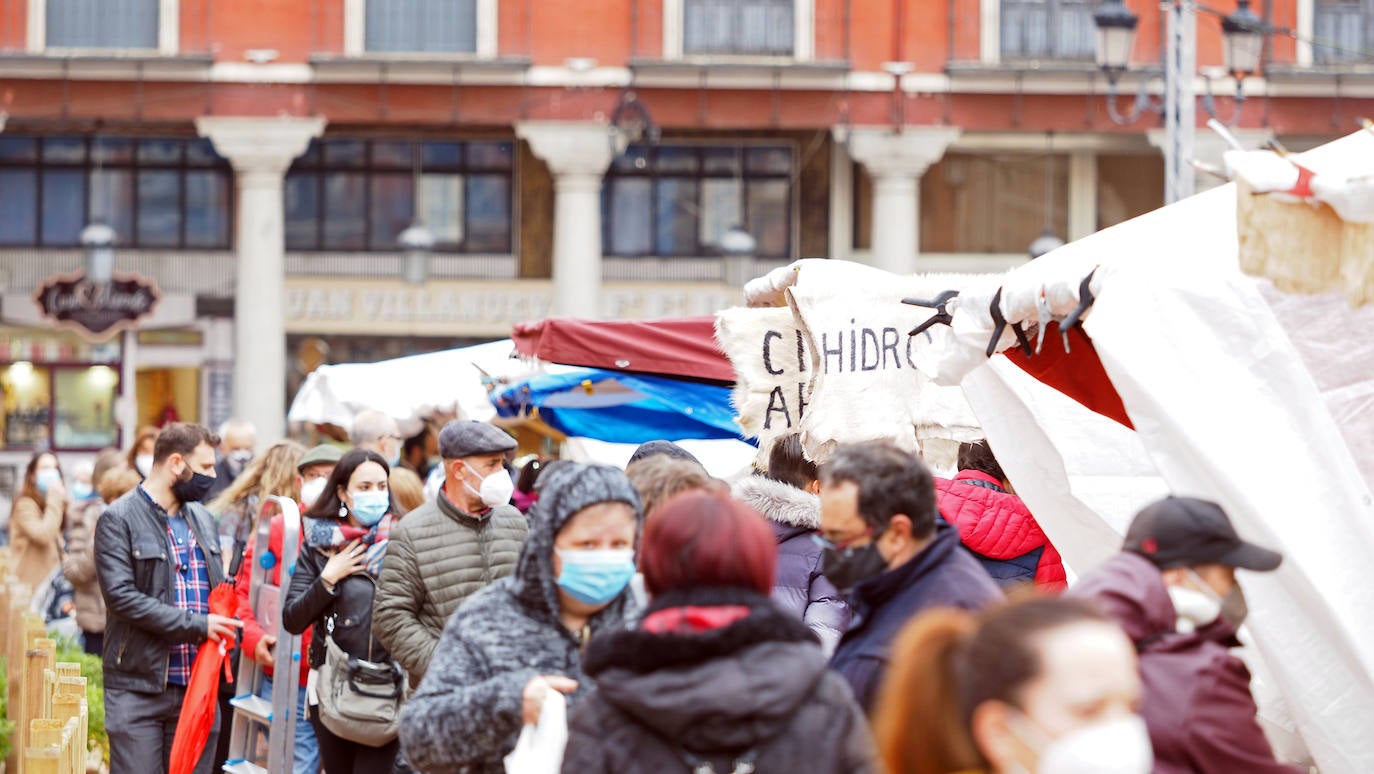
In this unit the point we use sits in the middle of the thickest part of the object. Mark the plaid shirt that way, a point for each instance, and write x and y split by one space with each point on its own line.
192 587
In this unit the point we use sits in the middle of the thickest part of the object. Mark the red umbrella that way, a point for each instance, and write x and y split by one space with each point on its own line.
202 693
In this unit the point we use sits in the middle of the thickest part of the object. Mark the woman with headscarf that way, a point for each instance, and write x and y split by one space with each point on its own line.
717 678
511 643
345 537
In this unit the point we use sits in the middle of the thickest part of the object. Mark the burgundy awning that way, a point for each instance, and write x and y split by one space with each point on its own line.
681 347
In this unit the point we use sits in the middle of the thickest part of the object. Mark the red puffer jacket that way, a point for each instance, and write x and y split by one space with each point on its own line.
997 526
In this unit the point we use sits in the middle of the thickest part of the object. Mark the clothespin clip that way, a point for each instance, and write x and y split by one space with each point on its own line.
1043 319
1085 301
941 317
999 322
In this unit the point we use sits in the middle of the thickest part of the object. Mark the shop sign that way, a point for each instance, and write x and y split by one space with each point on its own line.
476 308
97 310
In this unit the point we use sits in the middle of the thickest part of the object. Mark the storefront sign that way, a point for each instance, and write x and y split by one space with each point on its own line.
97 310
476 308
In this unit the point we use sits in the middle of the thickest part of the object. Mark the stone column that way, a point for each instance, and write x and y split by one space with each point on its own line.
260 150
896 160
1209 148
578 154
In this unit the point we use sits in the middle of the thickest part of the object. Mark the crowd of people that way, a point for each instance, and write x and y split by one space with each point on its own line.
862 615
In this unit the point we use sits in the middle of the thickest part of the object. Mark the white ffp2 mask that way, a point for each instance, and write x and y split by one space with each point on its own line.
496 489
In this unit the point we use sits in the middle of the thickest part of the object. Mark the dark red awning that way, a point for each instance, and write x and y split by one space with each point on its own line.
682 347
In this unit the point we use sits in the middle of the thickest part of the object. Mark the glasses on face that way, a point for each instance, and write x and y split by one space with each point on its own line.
842 545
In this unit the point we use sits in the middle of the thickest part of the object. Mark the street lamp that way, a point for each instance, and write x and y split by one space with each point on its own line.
1244 34
416 243
737 247
1047 241
98 239
1115 37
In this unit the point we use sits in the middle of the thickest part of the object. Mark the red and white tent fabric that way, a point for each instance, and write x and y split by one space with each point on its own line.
1200 381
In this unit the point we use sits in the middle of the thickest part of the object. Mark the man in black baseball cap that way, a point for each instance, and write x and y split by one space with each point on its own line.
1174 591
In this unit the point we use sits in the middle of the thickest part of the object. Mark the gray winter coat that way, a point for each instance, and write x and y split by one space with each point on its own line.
798 586
439 555
466 715
756 689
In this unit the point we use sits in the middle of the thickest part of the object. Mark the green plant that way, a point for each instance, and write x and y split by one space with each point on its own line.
6 725
91 669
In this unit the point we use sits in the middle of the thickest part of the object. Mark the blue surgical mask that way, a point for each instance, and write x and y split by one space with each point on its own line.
82 491
596 577
45 478
369 507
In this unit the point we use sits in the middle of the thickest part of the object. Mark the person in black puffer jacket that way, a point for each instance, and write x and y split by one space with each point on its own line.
717 678
345 536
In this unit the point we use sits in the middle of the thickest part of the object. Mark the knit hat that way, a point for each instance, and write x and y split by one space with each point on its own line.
572 486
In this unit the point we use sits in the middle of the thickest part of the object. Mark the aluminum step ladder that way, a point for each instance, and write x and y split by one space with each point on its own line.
255 716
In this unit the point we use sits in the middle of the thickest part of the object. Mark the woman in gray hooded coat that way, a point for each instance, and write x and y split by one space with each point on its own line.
511 642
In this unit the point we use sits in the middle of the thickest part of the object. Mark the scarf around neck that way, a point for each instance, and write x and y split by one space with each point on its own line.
330 535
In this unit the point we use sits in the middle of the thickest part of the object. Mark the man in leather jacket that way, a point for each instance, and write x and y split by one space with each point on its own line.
157 558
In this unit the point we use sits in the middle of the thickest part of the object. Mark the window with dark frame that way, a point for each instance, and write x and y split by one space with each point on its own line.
1343 31
157 193
738 27
676 200
1048 29
420 26
358 195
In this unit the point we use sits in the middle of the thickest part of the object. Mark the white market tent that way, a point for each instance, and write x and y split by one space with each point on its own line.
408 388
1238 393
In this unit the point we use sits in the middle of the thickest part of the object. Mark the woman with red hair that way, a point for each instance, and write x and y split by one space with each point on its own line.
716 679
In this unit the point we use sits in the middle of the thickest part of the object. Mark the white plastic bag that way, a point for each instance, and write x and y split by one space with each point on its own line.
539 750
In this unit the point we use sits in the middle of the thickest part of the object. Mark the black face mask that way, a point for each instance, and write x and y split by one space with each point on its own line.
192 489
848 567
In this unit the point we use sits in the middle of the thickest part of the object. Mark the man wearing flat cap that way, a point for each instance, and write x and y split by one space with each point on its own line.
445 550
1174 591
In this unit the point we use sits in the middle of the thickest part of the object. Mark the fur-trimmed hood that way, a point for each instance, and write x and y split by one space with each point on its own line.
726 689
781 503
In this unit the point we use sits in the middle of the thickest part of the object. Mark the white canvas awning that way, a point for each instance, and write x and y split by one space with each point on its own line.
1237 392
408 388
